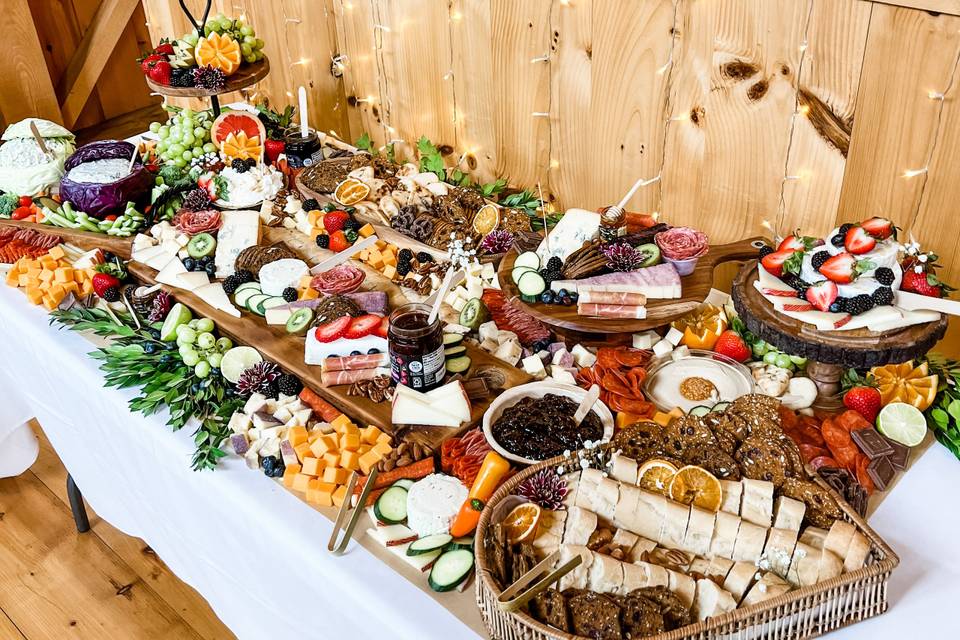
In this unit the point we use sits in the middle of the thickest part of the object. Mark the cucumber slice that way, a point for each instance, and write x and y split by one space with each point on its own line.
391 506
527 259
428 544
254 300
241 297
452 339
720 406
519 271
531 284
454 352
458 365
249 285
299 321
403 483
699 410
530 299
466 542
450 569
275 301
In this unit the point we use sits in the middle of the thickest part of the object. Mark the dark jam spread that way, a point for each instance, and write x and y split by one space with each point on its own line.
416 348
541 428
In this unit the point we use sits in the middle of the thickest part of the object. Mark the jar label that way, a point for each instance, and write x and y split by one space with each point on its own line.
420 371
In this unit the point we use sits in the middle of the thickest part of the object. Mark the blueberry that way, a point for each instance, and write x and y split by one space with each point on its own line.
189 263
149 348
562 293
154 333
108 257
211 269
574 296
355 353
565 300
546 297
214 372
373 351
540 345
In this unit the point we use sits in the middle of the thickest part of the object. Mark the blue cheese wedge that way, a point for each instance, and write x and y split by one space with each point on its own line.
433 502
278 275
575 227
239 230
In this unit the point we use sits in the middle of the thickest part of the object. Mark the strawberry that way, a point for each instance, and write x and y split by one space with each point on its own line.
103 281
923 283
338 241
21 212
775 262
274 148
383 328
363 326
796 242
164 48
334 220
25 201
879 228
864 400
822 294
334 329
147 62
844 268
160 71
732 345
858 241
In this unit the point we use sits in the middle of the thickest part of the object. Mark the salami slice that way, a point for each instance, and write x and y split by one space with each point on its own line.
682 243
194 222
343 278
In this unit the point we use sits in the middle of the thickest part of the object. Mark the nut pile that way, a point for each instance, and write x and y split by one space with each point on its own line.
406 453
377 390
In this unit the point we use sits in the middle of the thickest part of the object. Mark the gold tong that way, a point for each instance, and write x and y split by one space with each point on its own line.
333 546
513 597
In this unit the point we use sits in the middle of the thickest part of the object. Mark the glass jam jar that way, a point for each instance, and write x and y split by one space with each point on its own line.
416 348
302 152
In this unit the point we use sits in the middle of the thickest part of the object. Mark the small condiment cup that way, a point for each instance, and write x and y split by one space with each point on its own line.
683 267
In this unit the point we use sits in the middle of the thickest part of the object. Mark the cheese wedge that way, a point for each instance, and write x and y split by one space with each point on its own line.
170 270
214 295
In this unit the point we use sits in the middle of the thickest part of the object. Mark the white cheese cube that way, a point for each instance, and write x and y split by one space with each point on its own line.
474 289
252 458
303 415
643 340
490 345
562 375
534 366
488 330
282 414
289 223
662 348
582 356
256 402
239 423
487 272
461 292
674 336
680 352
458 304
510 352
505 336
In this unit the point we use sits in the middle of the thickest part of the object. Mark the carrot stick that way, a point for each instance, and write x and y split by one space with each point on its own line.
324 409
413 471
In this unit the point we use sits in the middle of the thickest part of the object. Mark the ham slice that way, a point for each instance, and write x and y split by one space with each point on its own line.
612 310
660 281
613 297
346 363
334 378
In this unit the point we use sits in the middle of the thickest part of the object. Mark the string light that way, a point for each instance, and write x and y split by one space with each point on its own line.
301 61
803 46
545 58
554 163
540 114
933 95
448 74
912 173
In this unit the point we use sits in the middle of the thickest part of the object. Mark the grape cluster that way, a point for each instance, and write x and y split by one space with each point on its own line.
251 47
184 137
199 348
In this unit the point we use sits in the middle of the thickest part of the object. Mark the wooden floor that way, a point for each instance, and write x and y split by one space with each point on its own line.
56 583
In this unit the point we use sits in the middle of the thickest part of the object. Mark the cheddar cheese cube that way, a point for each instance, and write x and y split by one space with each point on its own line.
297 435
57 253
13 277
370 434
313 466
321 493
303 452
339 496
349 441
289 473
313 216
310 294
23 280
72 287
385 437
336 475
381 244
389 271
366 231
383 448
300 482
367 461
662 419
35 296
331 458
324 444
340 422
63 274
350 460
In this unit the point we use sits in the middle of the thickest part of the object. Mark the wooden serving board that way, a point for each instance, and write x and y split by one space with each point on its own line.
247 75
83 239
854 348
696 286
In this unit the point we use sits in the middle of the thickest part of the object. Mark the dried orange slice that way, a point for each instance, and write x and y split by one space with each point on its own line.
701 327
220 52
697 486
655 475
487 219
521 523
904 382
351 191
238 145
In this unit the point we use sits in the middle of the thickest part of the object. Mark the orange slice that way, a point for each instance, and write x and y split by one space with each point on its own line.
521 523
238 145
351 191
655 475
487 219
220 52
697 486
701 327
904 382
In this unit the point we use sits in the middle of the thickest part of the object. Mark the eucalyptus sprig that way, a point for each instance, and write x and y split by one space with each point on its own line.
943 416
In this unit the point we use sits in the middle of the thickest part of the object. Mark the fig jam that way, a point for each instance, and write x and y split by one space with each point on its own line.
303 152
416 348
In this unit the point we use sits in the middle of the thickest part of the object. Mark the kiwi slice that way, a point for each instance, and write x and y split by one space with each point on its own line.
201 245
474 313
299 321
650 253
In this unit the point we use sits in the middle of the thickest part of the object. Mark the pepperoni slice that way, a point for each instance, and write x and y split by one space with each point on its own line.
811 435
629 357
823 461
862 476
809 452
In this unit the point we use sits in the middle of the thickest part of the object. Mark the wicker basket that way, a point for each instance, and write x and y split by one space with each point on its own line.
802 613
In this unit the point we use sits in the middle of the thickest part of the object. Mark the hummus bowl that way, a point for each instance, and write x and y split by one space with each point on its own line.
674 382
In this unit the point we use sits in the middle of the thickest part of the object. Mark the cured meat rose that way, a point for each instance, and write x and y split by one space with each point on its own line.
342 278
682 243
194 222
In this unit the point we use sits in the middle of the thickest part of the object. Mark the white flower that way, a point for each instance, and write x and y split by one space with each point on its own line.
918 269
922 257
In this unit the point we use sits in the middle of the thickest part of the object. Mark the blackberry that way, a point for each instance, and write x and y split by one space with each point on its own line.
403 268
351 225
795 282
846 226
540 345
239 165
423 256
884 276
819 258
405 255
289 385
251 163
837 240
323 241
859 304
310 204
181 78
230 284
547 276
802 292
111 294
554 263
245 276
765 250
290 295
883 296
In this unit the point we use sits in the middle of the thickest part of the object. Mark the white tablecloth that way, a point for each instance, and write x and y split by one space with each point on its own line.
257 553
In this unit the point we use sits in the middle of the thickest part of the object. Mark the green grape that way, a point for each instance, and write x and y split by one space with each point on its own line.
209 147
246 50
783 361
199 132
250 59
161 146
187 139
187 113
190 358
187 155
180 162
250 40
224 345
258 56
246 30
208 124
205 325
202 369
260 43
186 334
192 38
163 132
176 149
214 359
206 340
154 127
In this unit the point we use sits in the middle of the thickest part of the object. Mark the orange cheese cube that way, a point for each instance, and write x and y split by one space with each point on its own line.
321 493
35 296
367 461
313 466
350 460
47 262
324 444
310 294
662 419
385 437
376 261
72 287
303 451
316 231
370 434
349 441
289 473
23 280
57 253
389 259
382 448
331 458
301 481
304 282
340 422
363 448
313 216
313 435
339 496
335 475
49 303
380 244
63 274
13 277
366 231
47 275
297 435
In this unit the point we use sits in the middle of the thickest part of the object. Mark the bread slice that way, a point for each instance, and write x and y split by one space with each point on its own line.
768 586
606 574
750 541
683 586
788 513
813 536
623 468
857 553
719 568
732 491
830 566
778 551
725 529
642 546
626 513
740 578
700 525
581 523
675 520
657 576
756 506
839 537
578 578
804 566
650 516
711 600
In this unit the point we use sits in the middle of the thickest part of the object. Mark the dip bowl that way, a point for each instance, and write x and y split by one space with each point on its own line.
512 396
662 386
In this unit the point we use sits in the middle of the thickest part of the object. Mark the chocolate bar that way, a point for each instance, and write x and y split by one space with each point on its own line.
872 443
881 471
900 455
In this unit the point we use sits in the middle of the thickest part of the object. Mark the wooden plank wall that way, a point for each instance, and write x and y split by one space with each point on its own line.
801 113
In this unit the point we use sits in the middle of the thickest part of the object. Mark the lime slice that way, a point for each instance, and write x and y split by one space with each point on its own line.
903 423
236 361
177 316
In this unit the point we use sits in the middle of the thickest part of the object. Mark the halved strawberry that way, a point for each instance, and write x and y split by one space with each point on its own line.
858 241
334 329
384 327
363 326
796 242
338 241
774 262
822 294
844 268
879 228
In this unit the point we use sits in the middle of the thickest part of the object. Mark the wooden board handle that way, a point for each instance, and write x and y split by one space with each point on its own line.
745 249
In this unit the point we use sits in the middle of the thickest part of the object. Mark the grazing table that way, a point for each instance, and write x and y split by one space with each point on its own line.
257 553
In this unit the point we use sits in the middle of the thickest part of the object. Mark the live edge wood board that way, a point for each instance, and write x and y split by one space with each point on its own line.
84 239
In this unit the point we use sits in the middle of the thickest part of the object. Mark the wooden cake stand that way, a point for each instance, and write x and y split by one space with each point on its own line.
567 322
829 352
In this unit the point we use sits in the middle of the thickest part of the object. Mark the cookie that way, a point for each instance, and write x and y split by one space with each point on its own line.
639 439
675 613
594 615
822 510
550 607
694 432
640 617
714 460
762 458
735 427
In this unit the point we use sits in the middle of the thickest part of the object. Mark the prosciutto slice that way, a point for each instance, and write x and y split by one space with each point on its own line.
625 311
346 363
334 378
613 297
